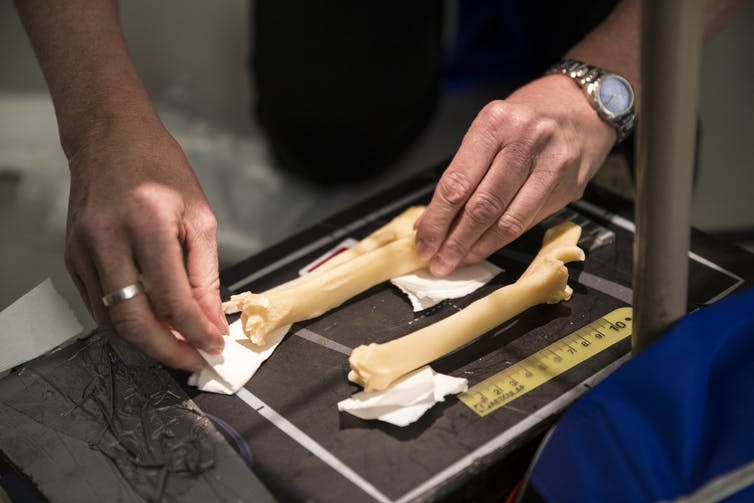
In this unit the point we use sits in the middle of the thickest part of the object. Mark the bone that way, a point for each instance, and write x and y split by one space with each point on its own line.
316 294
399 227
377 366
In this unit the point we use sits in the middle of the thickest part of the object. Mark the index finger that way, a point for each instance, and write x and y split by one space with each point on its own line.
474 157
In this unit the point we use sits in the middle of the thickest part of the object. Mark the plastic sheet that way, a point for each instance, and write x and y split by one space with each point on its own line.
122 404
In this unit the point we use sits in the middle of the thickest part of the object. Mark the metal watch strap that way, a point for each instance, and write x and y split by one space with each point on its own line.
580 72
584 75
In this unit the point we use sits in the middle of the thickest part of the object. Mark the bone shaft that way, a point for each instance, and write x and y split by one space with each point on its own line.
427 344
399 227
330 289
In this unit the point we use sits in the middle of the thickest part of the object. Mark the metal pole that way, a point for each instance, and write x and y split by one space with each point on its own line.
670 53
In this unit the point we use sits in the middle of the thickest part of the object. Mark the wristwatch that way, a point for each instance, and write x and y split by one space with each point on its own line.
611 95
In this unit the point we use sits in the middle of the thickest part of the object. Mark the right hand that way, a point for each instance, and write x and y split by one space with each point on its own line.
136 209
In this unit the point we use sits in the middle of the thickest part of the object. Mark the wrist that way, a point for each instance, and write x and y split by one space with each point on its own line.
94 124
610 95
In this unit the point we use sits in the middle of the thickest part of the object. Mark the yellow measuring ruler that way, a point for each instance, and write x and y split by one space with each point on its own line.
548 363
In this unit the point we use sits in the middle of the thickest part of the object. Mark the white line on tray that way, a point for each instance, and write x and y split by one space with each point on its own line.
310 336
511 433
631 227
309 444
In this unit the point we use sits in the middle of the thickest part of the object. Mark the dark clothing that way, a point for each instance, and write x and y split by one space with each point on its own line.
513 42
343 88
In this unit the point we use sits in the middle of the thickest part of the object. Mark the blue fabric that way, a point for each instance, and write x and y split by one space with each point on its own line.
503 44
490 45
668 421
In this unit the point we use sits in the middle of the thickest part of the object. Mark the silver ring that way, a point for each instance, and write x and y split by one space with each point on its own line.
122 294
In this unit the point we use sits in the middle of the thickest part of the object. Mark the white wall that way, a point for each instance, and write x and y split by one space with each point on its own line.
189 52
194 53
724 196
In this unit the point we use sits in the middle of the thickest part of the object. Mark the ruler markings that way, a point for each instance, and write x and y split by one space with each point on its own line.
548 363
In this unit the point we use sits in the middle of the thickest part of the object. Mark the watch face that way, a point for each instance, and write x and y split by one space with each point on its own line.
615 94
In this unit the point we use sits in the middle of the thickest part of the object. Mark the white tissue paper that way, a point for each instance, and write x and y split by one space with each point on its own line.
405 401
240 359
34 324
425 291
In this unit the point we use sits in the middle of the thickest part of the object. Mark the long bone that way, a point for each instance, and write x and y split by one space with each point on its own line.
271 309
316 294
386 253
399 227
376 366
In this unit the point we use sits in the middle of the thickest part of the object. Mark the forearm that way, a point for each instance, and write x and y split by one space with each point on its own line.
85 60
615 43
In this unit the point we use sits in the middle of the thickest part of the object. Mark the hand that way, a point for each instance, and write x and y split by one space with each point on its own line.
521 160
136 208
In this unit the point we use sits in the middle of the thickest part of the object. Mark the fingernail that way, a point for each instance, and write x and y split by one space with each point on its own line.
424 251
439 267
217 347
469 260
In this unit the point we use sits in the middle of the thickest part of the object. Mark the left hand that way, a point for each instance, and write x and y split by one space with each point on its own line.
522 159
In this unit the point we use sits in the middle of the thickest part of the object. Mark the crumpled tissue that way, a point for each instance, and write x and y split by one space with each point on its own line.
240 359
405 401
425 290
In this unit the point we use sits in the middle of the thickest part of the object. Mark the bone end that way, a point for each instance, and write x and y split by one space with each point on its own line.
548 282
561 290
259 317
563 234
569 254
367 369
233 305
355 378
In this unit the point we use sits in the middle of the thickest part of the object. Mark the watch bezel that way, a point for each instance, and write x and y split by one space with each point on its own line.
593 89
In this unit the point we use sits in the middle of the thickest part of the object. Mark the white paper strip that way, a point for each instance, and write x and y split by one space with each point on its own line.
39 321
